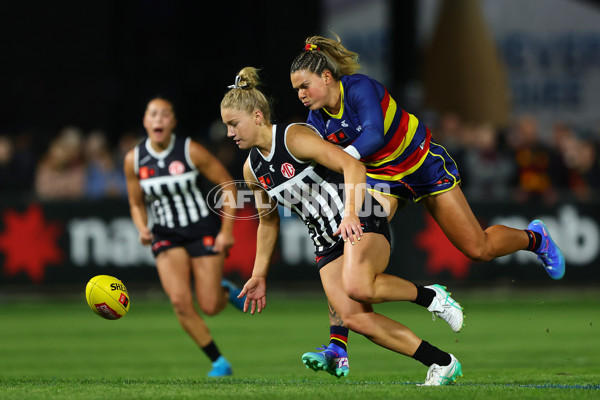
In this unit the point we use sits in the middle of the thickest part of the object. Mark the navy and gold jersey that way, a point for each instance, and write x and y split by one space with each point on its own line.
391 142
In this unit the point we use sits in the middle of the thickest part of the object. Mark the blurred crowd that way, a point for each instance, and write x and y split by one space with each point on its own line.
518 163
72 165
521 163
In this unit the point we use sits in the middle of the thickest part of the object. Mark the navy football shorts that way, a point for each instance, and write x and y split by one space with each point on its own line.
437 174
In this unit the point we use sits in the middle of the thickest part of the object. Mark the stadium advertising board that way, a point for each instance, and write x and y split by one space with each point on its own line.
55 243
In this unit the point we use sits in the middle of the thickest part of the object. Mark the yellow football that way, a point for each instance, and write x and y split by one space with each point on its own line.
107 296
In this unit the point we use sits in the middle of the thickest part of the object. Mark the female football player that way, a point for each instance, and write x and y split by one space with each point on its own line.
402 161
293 167
187 239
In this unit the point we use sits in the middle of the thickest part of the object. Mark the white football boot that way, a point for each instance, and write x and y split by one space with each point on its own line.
446 308
439 376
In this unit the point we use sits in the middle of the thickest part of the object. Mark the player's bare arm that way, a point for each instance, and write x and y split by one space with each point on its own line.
137 206
266 240
304 144
211 168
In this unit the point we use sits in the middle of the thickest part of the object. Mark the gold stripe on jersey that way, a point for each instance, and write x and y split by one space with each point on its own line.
413 123
341 112
389 115
400 175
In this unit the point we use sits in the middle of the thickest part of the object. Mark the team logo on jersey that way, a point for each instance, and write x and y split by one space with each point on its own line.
146 172
266 181
176 168
337 137
288 170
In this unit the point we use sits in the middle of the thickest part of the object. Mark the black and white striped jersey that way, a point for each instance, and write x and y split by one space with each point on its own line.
311 191
170 182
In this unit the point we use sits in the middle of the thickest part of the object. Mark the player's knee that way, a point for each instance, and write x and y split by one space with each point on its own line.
182 305
210 308
481 248
357 323
477 253
359 292
352 323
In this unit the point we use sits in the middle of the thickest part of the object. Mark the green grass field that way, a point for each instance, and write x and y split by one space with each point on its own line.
534 344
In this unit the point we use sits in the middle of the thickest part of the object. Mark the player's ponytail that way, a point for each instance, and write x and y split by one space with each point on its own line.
244 94
320 54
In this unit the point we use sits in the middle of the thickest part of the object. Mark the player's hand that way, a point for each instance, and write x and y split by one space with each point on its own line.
146 237
350 228
255 291
223 242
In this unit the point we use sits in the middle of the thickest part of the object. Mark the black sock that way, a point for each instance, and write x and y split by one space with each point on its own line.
212 351
424 296
338 335
535 240
428 355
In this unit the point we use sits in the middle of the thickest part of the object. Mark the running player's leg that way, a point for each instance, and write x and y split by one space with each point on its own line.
212 298
208 274
174 270
384 331
454 216
361 318
456 219
363 279
212 290
338 332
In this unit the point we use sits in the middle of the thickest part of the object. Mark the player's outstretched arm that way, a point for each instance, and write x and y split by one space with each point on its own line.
266 240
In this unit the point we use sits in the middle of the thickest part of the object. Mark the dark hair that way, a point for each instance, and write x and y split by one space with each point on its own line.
163 98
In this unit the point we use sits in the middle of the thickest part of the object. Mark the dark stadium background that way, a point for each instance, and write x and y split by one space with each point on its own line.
94 65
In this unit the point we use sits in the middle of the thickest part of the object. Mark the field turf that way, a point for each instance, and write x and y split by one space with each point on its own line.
527 344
